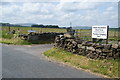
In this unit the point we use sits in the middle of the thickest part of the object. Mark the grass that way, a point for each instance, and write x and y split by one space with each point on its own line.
83 34
15 41
105 67
9 38
24 30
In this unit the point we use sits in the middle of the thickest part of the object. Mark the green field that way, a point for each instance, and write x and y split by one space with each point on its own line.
82 34
9 38
24 30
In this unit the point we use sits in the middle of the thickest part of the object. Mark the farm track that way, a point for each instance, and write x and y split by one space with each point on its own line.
28 62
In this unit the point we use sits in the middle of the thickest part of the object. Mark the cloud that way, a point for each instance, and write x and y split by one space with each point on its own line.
25 12
61 13
60 0
34 8
9 11
110 8
5 3
74 6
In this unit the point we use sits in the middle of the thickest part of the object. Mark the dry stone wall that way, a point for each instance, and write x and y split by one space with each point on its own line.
34 37
88 48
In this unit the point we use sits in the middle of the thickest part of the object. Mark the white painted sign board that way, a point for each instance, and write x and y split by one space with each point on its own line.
100 32
31 31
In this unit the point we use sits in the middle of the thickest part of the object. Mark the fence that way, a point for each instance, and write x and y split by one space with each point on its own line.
86 34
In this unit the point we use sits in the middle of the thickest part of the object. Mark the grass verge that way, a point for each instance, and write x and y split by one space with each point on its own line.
18 41
9 39
105 67
15 41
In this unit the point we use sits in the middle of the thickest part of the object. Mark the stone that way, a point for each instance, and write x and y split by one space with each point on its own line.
117 56
57 41
110 55
73 50
87 43
74 42
68 35
94 45
31 38
98 50
119 45
118 50
106 51
90 48
79 41
61 36
83 47
99 46
80 51
79 45
107 46
83 43
115 46
104 54
13 32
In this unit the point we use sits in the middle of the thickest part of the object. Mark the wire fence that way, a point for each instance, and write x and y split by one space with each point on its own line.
83 34
86 34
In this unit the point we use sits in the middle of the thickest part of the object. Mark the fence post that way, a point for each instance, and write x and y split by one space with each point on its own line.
77 33
41 30
107 34
118 34
80 33
9 27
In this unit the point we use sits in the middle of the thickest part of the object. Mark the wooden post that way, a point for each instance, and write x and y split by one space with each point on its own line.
77 33
118 34
94 40
41 30
9 27
80 32
107 34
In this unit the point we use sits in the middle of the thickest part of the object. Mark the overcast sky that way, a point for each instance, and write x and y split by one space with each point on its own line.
61 13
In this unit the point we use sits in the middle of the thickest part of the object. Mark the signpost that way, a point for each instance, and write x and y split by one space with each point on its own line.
100 32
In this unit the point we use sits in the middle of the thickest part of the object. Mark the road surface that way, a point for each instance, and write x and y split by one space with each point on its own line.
28 62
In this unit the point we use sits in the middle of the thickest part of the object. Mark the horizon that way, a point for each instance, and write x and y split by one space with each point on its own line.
74 27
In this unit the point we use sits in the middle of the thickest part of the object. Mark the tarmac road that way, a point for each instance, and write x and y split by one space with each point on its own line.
28 62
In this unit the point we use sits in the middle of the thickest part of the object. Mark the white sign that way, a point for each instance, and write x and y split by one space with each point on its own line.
100 32
31 31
